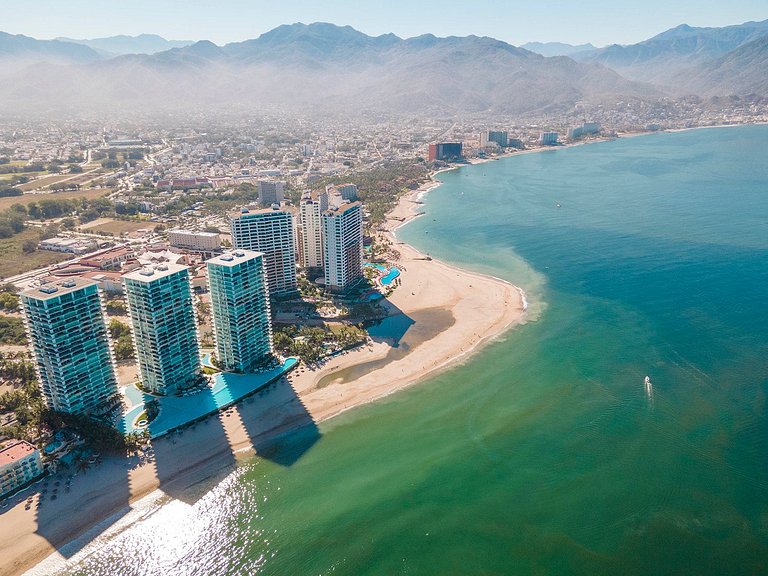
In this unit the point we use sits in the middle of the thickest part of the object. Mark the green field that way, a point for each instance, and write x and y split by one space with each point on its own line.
89 193
15 261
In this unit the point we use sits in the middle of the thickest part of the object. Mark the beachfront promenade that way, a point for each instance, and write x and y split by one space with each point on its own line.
177 411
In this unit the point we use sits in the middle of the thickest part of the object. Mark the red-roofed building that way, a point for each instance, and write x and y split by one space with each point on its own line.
19 463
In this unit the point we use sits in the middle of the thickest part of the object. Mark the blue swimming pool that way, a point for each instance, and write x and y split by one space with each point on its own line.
389 273
227 389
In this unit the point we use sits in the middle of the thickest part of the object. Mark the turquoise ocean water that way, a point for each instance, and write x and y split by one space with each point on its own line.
545 453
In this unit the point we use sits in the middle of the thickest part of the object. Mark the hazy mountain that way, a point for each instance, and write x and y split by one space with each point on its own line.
661 58
141 44
742 71
24 48
323 67
556 48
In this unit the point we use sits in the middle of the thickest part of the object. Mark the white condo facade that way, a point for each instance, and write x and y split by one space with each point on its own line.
271 232
311 210
343 236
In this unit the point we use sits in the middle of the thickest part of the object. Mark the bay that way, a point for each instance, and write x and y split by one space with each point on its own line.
545 453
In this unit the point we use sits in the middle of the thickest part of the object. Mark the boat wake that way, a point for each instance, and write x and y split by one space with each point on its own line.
648 390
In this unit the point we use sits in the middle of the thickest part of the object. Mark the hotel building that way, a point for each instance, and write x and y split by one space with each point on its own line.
240 308
269 231
343 237
311 209
19 463
271 192
163 326
70 345
196 241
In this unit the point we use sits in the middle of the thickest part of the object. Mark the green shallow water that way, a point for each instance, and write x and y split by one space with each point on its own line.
543 454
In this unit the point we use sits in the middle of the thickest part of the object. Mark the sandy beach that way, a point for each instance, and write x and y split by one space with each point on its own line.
452 312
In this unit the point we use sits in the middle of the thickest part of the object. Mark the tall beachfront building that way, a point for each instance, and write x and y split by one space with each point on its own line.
73 359
269 231
311 208
240 309
343 237
163 326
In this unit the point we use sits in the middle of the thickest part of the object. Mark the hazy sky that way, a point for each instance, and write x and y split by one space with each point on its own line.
516 21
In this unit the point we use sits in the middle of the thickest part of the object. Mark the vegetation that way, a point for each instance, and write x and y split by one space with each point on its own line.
12 331
9 300
33 416
116 307
379 188
313 343
121 335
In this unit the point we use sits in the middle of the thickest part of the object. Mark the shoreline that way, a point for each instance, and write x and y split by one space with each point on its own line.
481 309
105 498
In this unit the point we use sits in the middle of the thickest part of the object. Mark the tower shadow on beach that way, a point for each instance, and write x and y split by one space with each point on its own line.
192 459
66 504
278 424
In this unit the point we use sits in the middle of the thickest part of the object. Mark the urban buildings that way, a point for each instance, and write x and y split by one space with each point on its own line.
206 242
500 137
70 345
343 237
269 231
586 129
445 151
240 309
163 325
548 138
348 192
19 463
311 208
271 192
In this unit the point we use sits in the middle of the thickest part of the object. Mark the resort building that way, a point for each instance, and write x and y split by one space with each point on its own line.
348 192
343 237
19 463
70 345
269 231
196 241
311 209
548 138
240 309
163 326
271 192
499 137
445 151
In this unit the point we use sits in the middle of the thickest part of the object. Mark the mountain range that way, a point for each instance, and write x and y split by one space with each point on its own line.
324 67
118 45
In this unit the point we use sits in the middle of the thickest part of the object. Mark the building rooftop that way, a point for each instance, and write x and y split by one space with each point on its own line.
341 209
53 288
14 450
234 257
274 209
184 231
153 272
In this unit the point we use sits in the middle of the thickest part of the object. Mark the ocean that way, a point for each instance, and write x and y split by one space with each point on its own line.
545 453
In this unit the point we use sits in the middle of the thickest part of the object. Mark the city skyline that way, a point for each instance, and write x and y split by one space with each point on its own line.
596 21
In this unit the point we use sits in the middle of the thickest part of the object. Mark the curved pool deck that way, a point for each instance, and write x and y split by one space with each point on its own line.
175 412
388 274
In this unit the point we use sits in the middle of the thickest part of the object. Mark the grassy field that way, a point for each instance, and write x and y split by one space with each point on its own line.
43 182
14 261
9 177
118 227
89 193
